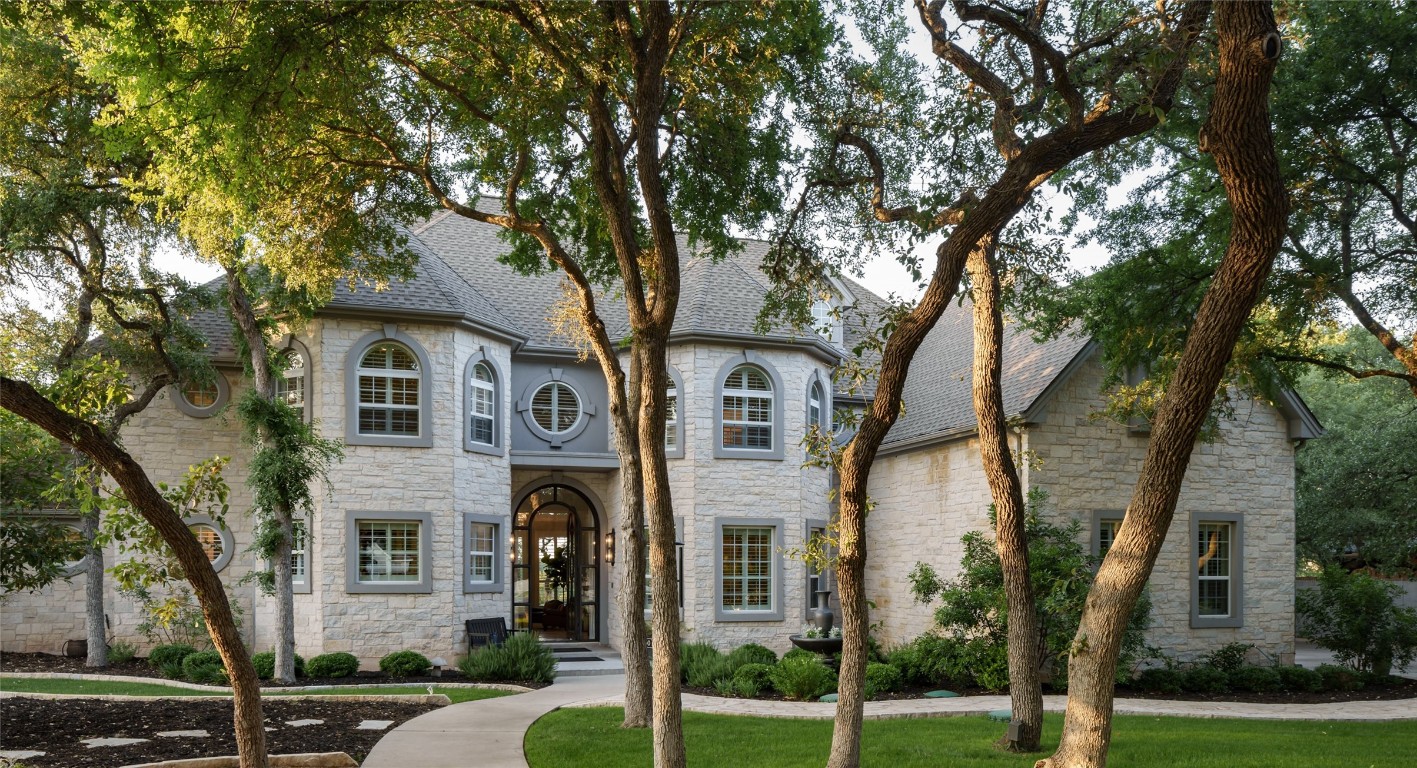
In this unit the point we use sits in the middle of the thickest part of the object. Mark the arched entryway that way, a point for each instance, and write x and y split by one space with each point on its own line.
556 564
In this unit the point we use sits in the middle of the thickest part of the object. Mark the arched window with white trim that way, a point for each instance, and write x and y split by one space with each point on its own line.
387 391
484 405
747 410
290 381
673 415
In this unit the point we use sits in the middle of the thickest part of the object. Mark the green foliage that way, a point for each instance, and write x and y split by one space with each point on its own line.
171 670
1256 679
752 653
701 662
973 607
121 651
930 659
1159 680
204 667
405 664
1299 679
332 665
802 679
265 664
522 658
171 653
1355 617
882 678
1228 657
174 618
1205 680
1340 678
146 564
798 653
752 678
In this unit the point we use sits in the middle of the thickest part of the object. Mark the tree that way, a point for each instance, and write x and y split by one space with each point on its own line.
610 131
1237 133
1093 77
68 221
34 550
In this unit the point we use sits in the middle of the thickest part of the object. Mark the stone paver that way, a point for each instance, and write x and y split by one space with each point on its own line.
19 754
373 725
111 742
302 723
192 734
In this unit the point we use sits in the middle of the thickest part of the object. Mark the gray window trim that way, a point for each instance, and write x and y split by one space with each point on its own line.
389 332
779 586
292 344
556 439
223 396
1237 571
497 448
679 566
810 598
779 393
1098 515
678 451
425 551
304 587
499 553
228 541
816 379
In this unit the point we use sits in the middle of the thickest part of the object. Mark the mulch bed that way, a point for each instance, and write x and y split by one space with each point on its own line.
56 727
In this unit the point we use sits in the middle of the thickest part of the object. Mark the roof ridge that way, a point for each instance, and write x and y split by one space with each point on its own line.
437 216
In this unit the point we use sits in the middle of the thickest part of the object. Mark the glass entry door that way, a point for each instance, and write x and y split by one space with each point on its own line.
556 565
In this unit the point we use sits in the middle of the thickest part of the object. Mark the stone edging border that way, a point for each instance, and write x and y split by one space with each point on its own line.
437 699
221 690
302 760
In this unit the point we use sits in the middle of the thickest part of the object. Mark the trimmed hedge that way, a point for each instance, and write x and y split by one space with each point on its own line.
882 678
328 665
265 664
405 664
752 653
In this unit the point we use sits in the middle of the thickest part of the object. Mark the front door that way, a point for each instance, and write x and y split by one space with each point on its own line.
556 568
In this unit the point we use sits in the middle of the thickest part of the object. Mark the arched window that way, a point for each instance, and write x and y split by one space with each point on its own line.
555 407
389 396
290 381
671 414
747 408
815 407
483 405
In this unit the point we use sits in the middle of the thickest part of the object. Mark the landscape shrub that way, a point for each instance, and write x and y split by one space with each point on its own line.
1159 680
1300 679
521 658
1205 680
405 664
752 653
798 653
881 678
204 667
1229 657
331 665
1355 616
164 655
929 659
1341 678
752 679
802 679
1256 679
694 656
265 664
120 652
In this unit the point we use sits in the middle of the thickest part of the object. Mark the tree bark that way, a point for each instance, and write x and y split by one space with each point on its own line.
95 619
1011 540
1238 133
23 400
634 653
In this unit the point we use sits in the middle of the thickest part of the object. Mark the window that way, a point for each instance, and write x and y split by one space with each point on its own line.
299 558
215 540
817 576
678 565
389 552
200 394
388 391
484 405
825 322
202 398
749 570
1107 528
555 407
290 381
483 565
1215 585
747 410
671 415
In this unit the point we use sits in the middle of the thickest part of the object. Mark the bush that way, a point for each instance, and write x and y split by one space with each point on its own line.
802 679
1205 680
164 655
1159 680
702 666
265 664
120 652
1229 657
1355 617
752 679
1340 678
204 667
1300 679
798 653
1256 679
752 653
171 670
881 678
405 664
328 665
928 660
521 658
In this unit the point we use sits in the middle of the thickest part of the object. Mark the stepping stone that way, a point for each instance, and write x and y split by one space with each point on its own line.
1002 715
941 695
111 742
185 734
830 697
303 723
19 754
373 725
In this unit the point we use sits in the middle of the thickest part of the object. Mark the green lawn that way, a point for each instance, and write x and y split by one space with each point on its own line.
104 687
570 738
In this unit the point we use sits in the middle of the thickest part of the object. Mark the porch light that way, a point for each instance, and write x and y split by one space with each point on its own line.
610 547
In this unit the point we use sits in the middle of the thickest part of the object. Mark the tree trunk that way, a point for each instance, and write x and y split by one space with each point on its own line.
1238 134
633 651
855 618
1011 540
95 619
23 400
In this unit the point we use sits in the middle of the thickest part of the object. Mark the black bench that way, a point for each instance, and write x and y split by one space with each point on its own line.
482 632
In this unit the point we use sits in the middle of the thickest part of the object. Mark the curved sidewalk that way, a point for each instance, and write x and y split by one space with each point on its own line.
490 732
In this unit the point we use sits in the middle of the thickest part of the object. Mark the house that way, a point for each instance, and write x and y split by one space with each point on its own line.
480 478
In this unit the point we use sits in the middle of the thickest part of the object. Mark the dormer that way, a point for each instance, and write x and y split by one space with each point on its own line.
827 308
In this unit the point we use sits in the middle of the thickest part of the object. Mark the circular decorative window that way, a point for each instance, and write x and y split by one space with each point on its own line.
215 540
200 395
555 407
202 399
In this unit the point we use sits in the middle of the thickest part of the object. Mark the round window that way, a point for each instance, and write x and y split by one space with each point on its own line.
201 395
555 407
215 540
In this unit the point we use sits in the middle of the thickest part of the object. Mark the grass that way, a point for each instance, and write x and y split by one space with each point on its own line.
593 738
107 688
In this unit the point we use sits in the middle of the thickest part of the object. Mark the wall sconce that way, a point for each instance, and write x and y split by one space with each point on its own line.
512 547
610 547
